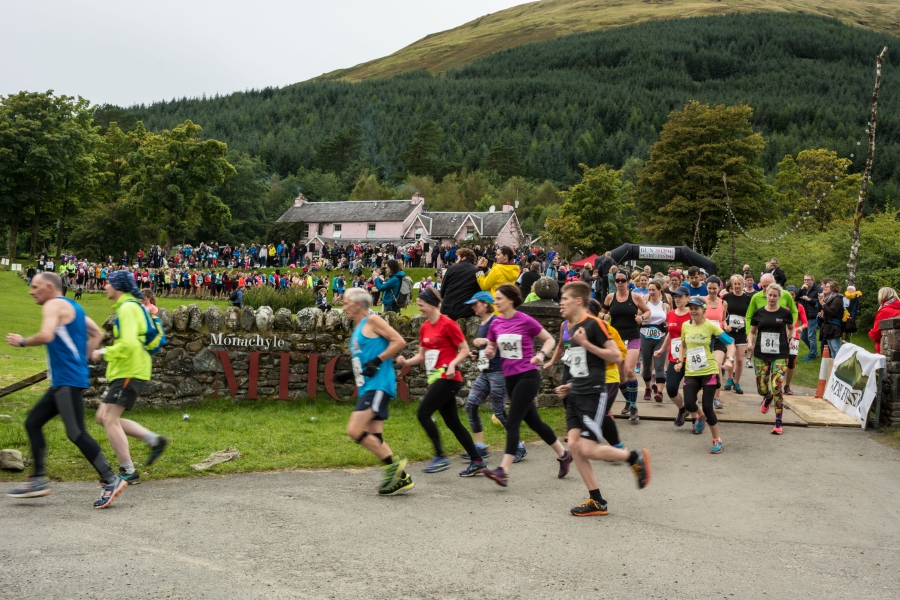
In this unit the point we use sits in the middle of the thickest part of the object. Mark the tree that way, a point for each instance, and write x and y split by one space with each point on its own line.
505 160
369 188
815 188
590 218
335 154
245 196
680 188
421 156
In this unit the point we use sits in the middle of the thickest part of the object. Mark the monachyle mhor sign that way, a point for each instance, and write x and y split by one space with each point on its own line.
279 346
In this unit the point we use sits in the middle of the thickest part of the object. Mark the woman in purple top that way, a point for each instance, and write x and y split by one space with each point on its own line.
512 337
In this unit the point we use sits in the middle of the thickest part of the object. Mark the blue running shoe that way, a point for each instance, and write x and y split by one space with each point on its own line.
521 452
728 384
35 487
437 465
716 447
482 451
474 468
717 403
700 425
110 492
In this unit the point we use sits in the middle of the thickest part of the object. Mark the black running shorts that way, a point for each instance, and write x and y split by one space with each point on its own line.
585 412
377 401
123 392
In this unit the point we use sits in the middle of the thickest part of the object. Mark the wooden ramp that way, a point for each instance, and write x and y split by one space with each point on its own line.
819 412
735 409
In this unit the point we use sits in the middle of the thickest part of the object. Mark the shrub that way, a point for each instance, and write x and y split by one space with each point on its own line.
294 299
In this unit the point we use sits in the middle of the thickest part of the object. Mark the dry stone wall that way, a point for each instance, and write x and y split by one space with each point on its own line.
890 391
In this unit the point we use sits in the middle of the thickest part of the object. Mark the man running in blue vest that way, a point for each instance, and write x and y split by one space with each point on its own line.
70 337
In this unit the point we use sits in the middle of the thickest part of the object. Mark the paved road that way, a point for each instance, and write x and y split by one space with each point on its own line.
812 514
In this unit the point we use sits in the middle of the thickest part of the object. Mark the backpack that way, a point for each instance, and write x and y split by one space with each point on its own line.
155 337
403 296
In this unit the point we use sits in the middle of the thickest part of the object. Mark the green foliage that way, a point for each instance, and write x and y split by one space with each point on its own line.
816 188
336 154
681 184
421 156
369 188
505 161
294 299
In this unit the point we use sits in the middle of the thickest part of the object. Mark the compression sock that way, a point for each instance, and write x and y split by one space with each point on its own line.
389 460
595 496
631 391
129 467
632 458
151 439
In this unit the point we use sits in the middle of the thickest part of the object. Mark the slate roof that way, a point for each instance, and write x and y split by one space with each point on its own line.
349 212
487 224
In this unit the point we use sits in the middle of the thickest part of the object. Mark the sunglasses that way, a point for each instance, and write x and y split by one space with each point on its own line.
621 280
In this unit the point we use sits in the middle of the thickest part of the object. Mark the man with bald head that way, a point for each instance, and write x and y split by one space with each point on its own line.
70 337
758 300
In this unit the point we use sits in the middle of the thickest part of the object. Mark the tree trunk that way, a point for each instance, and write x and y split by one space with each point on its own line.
864 187
13 235
34 230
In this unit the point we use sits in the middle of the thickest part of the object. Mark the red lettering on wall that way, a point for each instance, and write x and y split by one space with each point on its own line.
285 376
223 359
402 388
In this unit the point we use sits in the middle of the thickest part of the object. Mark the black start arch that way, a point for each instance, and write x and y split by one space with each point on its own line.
677 254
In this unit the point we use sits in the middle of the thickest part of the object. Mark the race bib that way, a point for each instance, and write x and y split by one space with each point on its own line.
716 323
483 362
357 372
696 358
652 333
676 347
736 321
510 345
431 358
795 347
578 362
770 342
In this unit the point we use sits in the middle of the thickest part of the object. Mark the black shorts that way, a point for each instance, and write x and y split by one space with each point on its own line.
740 337
377 401
719 345
585 412
123 392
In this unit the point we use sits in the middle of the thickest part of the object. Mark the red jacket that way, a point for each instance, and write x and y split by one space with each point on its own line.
887 311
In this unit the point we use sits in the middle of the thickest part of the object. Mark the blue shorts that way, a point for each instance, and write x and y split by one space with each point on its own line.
377 401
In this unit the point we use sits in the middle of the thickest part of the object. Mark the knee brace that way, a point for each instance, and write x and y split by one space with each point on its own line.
379 436
362 437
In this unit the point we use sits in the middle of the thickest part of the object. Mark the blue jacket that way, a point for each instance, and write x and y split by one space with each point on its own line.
390 288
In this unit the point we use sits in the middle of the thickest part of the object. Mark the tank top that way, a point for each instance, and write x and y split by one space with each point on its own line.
621 316
67 353
716 315
362 350
654 328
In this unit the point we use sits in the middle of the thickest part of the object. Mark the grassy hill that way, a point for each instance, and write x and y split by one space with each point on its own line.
539 21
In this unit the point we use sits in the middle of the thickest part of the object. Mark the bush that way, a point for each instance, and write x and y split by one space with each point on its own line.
293 299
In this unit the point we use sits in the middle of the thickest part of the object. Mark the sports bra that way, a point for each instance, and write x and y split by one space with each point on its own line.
621 316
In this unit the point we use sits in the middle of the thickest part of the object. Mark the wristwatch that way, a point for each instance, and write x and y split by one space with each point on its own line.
22 342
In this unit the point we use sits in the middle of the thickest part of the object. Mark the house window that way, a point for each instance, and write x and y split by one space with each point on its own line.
470 232
337 230
371 232
418 233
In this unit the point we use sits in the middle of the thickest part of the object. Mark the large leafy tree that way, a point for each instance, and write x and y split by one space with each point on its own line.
421 156
680 190
815 188
591 216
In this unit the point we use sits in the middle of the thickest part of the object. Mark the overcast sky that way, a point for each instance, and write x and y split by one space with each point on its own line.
130 51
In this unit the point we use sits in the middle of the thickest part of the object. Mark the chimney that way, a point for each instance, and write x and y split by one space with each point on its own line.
299 200
417 199
507 208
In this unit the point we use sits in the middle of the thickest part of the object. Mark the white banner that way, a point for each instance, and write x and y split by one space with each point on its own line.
852 386
16 267
656 253
4 261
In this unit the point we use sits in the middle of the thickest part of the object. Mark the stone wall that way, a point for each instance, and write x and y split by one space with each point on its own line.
270 355
890 391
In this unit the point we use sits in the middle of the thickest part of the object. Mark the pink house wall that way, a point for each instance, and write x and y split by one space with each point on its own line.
358 231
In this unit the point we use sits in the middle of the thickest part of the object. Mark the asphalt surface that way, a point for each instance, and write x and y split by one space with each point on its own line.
811 514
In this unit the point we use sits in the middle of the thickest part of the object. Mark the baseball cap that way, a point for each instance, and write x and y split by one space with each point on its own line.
703 271
481 297
695 301
680 291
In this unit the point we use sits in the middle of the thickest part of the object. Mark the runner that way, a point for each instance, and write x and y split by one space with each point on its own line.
490 381
716 311
653 334
627 312
738 302
512 336
671 346
774 325
583 391
373 344
442 347
128 369
801 325
701 373
69 336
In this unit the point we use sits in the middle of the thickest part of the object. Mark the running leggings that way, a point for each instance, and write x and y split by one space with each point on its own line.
770 374
648 347
486 384
522 389
673 380
692 386
441 397
66 402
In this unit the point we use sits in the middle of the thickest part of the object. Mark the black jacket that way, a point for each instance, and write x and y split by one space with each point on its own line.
459 285
780 277
811 306
528 280
603 264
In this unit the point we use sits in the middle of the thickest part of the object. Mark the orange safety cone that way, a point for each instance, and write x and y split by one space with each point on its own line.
824 372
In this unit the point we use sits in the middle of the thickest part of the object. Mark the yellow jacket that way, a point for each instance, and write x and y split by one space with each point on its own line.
497 276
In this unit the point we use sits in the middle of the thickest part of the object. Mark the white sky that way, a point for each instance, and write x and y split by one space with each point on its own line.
132 51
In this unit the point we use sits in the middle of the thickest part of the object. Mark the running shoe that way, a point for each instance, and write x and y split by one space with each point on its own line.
777 430
749 363
157 450
110 492
717 403
641 468
392 473
764 405
132 478
521 453
657 393
637 367
626 410
728 384
590 508
633 413
716 447
737 388
565 463
647 394
482 451
788 391
498 475
808 358
473 469
700 425
437 465
401 486
35 487
679 420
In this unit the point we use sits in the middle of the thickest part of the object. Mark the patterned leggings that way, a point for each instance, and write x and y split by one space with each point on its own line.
770 374
487 384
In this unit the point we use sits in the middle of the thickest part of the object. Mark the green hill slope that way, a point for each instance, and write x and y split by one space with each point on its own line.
539 21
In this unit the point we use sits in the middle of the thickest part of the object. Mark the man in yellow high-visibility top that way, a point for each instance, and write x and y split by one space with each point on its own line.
128 368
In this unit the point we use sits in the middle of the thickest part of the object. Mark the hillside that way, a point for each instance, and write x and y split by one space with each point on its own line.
539 21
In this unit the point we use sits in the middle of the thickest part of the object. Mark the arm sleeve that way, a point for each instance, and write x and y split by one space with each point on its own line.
724 337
